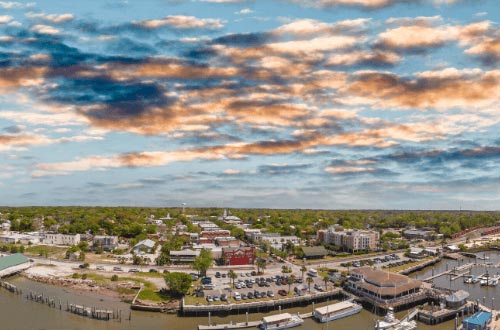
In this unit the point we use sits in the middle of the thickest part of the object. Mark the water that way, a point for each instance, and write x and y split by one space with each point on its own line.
483 293
17 313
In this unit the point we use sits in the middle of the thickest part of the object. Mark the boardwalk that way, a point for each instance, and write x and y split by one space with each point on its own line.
241 325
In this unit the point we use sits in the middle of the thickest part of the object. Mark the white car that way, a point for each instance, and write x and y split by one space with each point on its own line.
236 296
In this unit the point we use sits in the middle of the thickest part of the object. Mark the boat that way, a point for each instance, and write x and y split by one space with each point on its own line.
336 311
474 279
281 321
493 282
390 322
468 279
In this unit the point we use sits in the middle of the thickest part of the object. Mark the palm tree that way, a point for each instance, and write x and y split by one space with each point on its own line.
326 279
232 276
291 280
261 265
309 280
303 269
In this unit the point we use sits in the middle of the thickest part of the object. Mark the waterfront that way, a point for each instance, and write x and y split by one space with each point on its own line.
43 317
476 291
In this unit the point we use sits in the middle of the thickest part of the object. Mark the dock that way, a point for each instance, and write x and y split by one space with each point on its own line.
266 305
242 325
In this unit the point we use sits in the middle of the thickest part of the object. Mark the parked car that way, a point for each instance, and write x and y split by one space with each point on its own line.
100 268
133 270
206 280
208 286
270 293
217 275
117 269
244 296
209 298
253 273
152 270
223 297
250 295
236 296
216 298
282 293
224 275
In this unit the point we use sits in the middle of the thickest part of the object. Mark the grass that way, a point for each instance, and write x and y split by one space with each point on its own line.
40 250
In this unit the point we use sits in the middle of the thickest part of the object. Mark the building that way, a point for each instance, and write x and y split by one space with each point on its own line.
428 235
351 239
314 252
61 239
238 256
183 256
145 246
457 299
276 241
107 243
208 226
478 321
227 241
210 235
12 264
379 286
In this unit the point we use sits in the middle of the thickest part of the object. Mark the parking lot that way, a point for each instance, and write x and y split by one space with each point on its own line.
250 286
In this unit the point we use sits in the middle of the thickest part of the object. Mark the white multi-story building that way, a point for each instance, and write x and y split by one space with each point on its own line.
350 239
61 239
277 241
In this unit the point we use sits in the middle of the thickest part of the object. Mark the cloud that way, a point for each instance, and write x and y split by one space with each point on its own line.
244 11
13 4
45 29
367 4
442 89
182 22
4 19
282 169
53 18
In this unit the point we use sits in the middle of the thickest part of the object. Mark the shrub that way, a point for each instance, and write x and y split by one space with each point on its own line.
114 278
75 275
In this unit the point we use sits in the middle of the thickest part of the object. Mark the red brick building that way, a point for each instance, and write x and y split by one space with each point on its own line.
238 256
208 237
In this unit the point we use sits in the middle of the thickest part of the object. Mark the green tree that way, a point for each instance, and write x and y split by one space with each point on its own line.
232 276
309 281
203 262
326 279
137 260
290 281
303 269
261 265
178 282
162 259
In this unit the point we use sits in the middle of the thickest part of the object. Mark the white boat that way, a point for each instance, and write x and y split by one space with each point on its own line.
390 322
493 282
336 311
281 321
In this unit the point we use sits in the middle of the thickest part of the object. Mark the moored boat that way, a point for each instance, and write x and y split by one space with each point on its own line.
280 321
390 322
336 311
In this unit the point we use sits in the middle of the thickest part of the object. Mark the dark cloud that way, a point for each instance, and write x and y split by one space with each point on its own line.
284 169
13 129
243 39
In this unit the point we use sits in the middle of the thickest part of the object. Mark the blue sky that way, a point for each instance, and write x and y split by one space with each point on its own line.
333 104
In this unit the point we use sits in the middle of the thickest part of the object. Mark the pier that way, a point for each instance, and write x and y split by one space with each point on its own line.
261 306
242 325
457 272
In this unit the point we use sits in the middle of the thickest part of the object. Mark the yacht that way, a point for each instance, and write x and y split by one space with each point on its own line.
336 311
390 322
280 321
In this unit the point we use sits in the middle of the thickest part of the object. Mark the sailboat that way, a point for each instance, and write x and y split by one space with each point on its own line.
390 322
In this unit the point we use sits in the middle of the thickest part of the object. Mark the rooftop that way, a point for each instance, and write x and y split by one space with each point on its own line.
275 318
12 260
479 318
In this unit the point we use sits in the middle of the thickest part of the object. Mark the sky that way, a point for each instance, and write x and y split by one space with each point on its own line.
331 104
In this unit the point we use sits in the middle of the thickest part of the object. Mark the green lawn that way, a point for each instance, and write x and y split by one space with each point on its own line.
40 250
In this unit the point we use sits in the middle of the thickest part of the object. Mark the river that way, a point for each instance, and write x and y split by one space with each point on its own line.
18 313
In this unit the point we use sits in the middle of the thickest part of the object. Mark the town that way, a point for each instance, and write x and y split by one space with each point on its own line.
209 264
